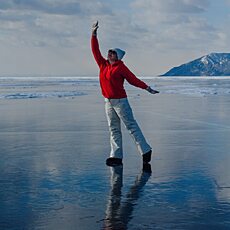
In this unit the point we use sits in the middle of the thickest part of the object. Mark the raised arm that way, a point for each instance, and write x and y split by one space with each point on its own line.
95 46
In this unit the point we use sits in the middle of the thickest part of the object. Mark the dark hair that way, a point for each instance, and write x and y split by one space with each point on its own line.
112 51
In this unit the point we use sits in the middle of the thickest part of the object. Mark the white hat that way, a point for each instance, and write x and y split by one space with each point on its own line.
120 53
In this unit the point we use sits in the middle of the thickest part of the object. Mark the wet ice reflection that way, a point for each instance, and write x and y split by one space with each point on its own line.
53 173
120 207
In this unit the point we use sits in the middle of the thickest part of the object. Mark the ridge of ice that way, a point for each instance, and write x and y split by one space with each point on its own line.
33 95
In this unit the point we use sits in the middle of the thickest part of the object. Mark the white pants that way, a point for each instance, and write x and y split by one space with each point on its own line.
117 110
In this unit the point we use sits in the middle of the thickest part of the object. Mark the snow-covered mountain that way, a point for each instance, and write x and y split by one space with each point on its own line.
214 64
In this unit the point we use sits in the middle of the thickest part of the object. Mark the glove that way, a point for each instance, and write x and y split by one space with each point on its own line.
152 91
94 28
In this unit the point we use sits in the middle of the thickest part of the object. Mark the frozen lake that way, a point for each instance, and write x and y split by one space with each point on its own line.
54 141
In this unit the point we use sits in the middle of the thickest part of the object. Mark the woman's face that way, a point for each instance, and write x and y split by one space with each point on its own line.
112 56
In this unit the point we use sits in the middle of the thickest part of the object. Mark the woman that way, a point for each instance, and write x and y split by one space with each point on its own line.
113 72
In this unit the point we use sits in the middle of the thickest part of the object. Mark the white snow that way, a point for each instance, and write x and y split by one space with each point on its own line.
204 60
28 95
40 87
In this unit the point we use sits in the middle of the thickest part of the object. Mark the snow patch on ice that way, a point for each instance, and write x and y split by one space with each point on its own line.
33 95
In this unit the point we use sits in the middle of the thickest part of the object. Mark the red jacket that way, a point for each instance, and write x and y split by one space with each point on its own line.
112 76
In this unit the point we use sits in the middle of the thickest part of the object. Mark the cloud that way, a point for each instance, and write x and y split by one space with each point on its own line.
67 7
48 22
144 28
54 7
46 33
173 6
170 12
175 24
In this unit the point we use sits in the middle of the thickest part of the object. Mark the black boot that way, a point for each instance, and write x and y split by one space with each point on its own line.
147 157
147 168
113 161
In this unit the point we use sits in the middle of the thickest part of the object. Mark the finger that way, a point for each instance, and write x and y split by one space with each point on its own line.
154 91
95 24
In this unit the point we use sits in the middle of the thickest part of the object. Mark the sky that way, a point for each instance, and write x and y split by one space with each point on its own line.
52 37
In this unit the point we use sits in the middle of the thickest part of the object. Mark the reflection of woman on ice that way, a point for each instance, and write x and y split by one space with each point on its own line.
113 72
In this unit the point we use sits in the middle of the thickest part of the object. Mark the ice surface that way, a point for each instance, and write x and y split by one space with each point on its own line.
197 86
28 95
53 150
33 87
41 87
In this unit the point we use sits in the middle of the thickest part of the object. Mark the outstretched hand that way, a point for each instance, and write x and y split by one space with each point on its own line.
152 91
94 28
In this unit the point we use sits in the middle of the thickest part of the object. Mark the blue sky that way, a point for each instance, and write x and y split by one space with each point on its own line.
53 36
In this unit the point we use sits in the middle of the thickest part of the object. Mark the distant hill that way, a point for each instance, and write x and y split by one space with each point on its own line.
214 64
